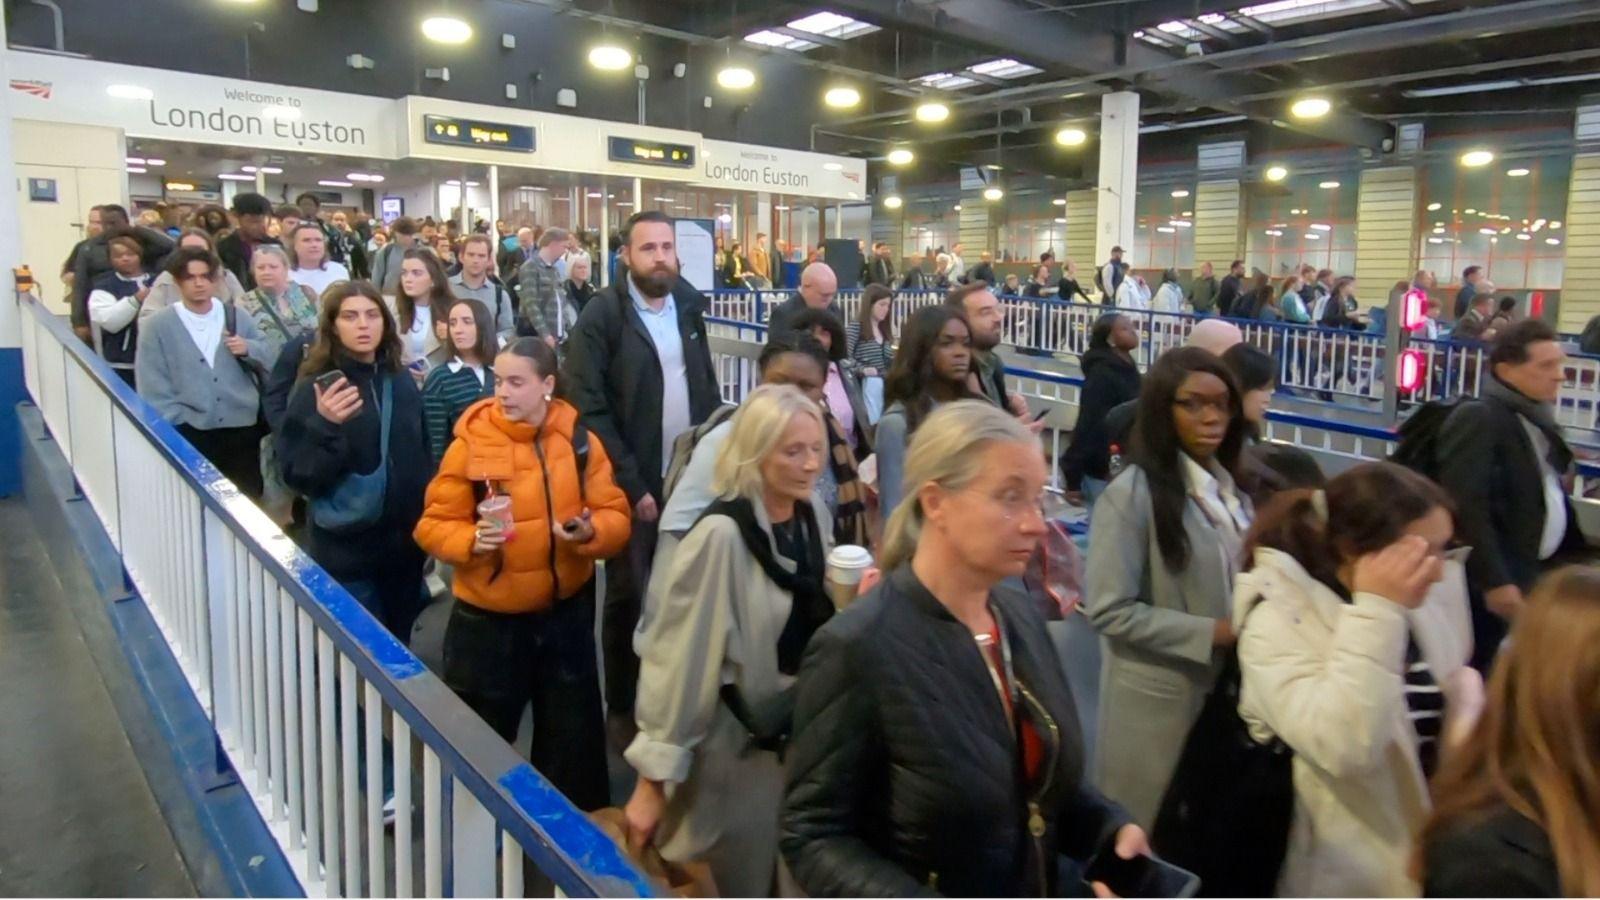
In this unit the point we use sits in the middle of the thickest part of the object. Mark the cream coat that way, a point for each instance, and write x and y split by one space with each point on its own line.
1328 677
713 618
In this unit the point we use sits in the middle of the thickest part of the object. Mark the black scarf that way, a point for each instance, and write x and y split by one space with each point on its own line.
1542 415
811 606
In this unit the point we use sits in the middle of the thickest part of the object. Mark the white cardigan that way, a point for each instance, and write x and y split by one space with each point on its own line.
1328 677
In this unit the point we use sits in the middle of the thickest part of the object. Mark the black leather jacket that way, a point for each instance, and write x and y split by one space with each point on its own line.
903 772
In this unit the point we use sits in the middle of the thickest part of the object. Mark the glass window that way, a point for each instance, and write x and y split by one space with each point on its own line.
1505 216
1304 219
1163 234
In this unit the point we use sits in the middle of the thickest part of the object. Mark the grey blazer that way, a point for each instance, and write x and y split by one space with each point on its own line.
174 378
1156 630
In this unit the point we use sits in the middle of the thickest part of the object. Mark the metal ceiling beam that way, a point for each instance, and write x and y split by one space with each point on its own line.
799 35
1213 32
1253 23
1401 5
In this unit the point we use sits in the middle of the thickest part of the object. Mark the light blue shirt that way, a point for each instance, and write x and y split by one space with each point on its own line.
663 328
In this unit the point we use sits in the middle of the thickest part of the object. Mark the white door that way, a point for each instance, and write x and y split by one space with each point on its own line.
50 229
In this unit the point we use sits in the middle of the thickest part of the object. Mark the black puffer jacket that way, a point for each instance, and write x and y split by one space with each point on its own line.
903 774
1109 379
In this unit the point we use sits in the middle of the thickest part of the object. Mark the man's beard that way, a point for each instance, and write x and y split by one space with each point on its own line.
985 341
657 282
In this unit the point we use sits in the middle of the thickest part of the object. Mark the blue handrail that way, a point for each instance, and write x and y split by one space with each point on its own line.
560 839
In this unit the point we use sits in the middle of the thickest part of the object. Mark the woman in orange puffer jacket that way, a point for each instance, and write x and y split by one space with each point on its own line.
522 629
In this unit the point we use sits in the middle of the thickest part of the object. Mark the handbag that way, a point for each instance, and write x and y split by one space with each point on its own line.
357 501
1227 812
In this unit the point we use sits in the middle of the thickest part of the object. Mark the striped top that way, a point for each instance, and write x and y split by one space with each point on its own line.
868 354
446 394
1425 706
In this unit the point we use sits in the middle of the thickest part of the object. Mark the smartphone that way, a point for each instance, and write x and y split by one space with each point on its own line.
1041 414
1142 876
327 379
571 525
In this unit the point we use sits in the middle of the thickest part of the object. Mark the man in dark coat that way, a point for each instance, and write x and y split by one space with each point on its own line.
92 258
252 210
639 370
819 287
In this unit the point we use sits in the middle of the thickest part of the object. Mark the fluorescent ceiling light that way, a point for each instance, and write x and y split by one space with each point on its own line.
1438 229
781 208
1487 231
1273 232
1188 212
1480 87
1059 201
265 170
1180 192
130 92
1287 11
724 218
956 208
1328 185
1179 223
842 97
932 111
1313 236
1276 173
1516 173
134 161
1473 159
1524 236
152 161
595 195
1556 225
993 193
610 57
235 176
832 24
1435 240
360 176
1004 68
1071 137
446 30
900 156
893 201
1554 242
137 170
1197 123
1166 230
945 81
336 184
1433 207
1319 226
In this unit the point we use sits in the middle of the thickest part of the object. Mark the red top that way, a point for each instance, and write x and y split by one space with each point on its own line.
1032 743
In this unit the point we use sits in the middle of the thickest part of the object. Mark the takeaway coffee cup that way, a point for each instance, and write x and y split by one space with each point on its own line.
497 509
846 566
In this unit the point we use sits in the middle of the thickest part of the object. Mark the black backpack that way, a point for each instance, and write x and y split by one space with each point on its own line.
1417 447
1227 812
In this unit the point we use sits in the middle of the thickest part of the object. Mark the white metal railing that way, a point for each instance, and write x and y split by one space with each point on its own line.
1338 365
301 684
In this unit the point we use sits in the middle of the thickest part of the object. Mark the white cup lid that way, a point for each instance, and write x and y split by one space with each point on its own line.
850 556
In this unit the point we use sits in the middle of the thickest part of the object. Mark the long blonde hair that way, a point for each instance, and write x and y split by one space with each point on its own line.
947 450
757 427
1536 746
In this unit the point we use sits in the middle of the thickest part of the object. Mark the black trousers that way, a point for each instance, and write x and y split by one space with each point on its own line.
236 452
500 662
627 576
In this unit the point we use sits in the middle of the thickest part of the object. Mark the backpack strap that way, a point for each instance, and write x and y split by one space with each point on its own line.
580 450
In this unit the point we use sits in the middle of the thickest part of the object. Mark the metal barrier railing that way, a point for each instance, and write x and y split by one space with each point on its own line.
736 344
300 682
1338 365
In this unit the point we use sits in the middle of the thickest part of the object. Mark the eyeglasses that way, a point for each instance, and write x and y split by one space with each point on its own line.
1015 504
1194 406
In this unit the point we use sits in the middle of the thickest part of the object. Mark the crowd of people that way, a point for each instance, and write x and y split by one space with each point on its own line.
471 408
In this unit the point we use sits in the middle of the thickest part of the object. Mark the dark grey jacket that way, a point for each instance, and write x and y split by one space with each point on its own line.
178 382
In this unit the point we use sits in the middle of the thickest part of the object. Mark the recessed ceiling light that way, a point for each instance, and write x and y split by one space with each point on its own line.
361 176
957 207
1554 242
900 156
1328 185
1318 226
336 183
1524 236
932 112
1433 207
134 161
893 201
446 30
1487 231
736 78
1059 201
1180 192
1165 230
610 57
1474 159
1273 232
781 208
1310 108
1061 221
1313 236
594 195
152 161
235 176
842 97
993 193
1276 173
1435 240
1555 225
1071 137
1516 173
137 170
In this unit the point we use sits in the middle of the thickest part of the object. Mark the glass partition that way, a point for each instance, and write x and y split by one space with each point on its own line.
1304 219
1506 217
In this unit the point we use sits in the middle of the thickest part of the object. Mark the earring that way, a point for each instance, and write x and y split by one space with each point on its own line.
547 398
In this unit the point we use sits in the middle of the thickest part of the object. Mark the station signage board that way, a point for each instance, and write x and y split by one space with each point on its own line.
477 133
642 152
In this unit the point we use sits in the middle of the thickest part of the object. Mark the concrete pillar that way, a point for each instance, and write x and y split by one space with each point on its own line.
261 182
1581 233
1386 228
494 200
1119 173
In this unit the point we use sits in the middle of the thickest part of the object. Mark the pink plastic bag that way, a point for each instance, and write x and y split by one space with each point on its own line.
1054 576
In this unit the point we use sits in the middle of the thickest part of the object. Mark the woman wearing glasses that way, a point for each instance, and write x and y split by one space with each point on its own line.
1163 550
1353 640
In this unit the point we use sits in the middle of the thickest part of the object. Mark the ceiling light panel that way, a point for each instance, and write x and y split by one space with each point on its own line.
831 24
1004 68
945 81
781 41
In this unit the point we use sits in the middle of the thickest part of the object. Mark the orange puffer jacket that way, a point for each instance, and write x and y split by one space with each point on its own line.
538 468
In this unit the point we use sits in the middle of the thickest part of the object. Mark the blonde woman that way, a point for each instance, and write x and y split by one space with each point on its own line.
905 776
720 643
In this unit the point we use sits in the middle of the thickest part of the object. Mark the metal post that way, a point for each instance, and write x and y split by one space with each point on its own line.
261 182
1393 343
838 220
464 216
604 262
494 198
638 194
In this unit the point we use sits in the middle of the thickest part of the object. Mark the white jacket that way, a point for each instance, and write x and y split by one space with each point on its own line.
1131 294
1169 298
1328 677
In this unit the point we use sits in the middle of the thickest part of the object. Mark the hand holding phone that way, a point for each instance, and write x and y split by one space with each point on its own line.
1141 876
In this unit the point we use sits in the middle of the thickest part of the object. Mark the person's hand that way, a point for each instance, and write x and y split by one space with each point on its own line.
869 580
643 812
1131 842
339 403
142 293
84 333
236 345
1401 572
551 340
1034 425
581 533
1018 405
488 537
869 372
646 510
1222 633
1504 601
